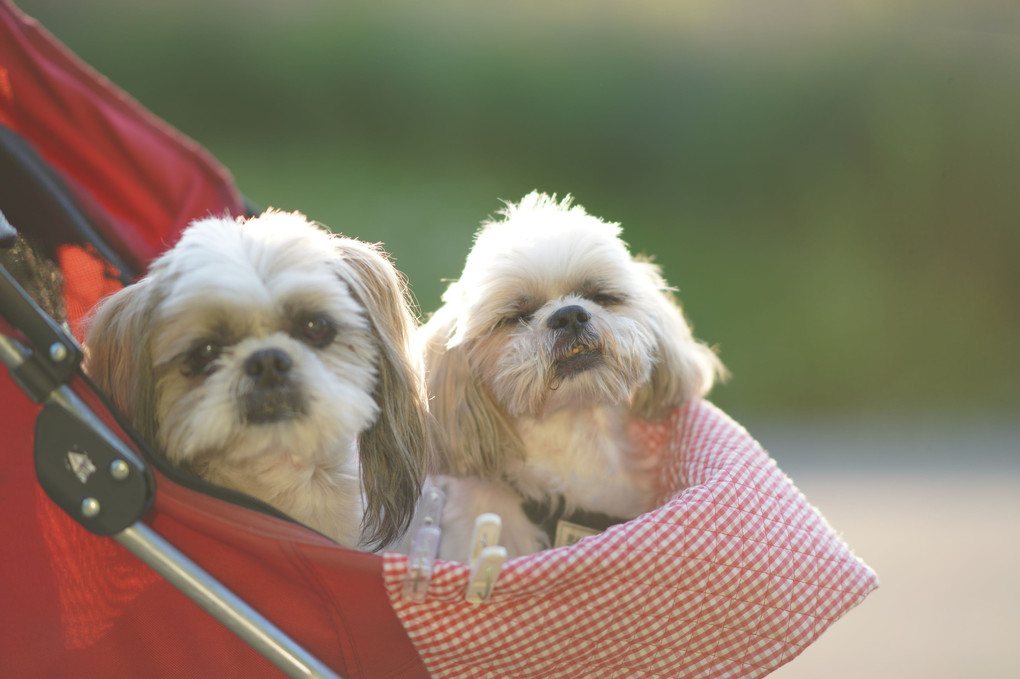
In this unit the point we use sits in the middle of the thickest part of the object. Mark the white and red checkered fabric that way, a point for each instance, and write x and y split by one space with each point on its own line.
732 577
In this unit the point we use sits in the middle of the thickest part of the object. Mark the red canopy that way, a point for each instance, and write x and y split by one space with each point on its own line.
79 605
147 180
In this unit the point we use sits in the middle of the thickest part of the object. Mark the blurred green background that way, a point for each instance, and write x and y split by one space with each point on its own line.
834 188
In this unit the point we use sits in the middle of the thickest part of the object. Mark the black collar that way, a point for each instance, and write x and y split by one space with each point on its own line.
549 513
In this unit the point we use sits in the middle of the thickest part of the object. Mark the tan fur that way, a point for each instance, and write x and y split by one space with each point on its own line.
474 436
396 450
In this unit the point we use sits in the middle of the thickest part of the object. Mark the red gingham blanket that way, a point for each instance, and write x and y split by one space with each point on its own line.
733 576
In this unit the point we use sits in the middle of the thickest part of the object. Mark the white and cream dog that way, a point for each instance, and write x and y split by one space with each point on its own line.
272 357
551 339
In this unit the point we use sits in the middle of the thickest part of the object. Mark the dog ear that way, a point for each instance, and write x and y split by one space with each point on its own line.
473 435
117 354
684 367
396 451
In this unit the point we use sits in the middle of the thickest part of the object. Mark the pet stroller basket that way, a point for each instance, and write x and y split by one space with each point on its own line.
734 575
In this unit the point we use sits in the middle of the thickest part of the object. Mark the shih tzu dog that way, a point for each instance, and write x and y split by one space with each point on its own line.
551 339
272 357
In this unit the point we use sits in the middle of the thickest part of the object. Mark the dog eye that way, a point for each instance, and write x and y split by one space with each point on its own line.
198 360
515 319
318 331
606 299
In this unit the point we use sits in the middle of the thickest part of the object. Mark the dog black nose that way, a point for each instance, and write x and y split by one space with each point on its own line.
571 317
268 367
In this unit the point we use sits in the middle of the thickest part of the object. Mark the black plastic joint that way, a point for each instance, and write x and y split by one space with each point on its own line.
88 471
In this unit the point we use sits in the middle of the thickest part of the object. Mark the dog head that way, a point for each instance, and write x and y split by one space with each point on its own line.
553 312
265 337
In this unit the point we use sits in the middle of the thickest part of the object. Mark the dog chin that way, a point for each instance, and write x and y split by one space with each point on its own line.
297 434
580 381
584 389
236 443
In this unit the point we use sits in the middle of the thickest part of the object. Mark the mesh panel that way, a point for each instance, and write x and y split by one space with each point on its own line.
87 279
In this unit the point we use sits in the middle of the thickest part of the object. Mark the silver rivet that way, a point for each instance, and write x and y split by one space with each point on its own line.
90 507
58 352
119 470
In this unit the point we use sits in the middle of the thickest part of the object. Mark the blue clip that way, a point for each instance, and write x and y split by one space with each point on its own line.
425 546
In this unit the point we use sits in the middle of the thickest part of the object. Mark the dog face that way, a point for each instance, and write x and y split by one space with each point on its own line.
255 350
553 312
271 342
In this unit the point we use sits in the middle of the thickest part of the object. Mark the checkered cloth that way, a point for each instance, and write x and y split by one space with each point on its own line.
733 576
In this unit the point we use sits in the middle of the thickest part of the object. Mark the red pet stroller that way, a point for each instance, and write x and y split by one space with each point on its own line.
106 547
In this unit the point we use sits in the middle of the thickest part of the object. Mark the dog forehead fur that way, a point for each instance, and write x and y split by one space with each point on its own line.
542 240
261 260
272 267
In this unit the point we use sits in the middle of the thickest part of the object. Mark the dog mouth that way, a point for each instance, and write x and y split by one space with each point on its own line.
272 406
577 359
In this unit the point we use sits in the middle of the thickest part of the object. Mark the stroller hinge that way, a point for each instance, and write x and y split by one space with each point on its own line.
36 375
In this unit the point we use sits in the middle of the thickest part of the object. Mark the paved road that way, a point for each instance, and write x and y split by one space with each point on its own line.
947 552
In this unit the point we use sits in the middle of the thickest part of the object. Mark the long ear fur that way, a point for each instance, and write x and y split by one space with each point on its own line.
474 437
396 450
116 354
685 368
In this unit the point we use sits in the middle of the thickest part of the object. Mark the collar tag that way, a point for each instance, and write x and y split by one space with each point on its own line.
567 533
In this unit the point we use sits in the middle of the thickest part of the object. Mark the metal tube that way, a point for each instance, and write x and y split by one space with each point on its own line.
221 603
12 354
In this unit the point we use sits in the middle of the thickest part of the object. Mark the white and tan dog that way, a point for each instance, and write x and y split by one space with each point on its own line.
272 357
551 339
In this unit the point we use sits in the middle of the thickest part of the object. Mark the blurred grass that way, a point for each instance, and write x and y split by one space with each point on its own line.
835 191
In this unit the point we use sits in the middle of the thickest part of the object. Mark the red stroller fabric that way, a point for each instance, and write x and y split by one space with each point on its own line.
78 605
732 577
142 179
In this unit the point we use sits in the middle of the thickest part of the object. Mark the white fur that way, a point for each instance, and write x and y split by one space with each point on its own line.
517 416
251 287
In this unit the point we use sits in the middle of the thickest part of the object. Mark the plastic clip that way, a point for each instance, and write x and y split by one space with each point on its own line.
425 545
487 558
